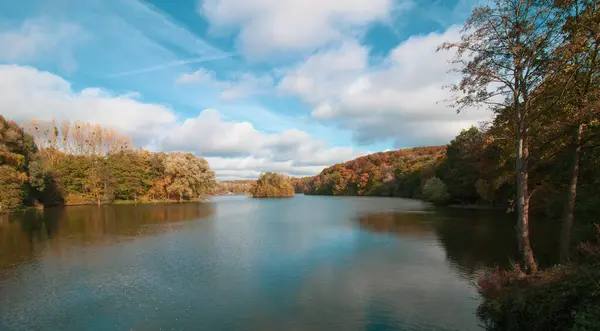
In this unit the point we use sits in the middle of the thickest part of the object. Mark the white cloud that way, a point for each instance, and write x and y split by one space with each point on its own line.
251 167
238 148
40 38
199 76
322 75
268 26
240 86
247 85
209 134
402 98
27 93
235 149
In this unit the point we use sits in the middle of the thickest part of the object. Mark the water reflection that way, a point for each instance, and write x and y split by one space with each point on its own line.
303 263
471 239
23 236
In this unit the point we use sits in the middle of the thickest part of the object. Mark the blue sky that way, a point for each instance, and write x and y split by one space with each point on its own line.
252 85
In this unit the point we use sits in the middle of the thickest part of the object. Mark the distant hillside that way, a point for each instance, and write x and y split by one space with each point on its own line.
233 187
394 173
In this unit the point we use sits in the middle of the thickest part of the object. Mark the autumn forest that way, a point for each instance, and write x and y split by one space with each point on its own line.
535 64
48 164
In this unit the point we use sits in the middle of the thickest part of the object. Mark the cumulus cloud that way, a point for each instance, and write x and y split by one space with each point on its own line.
199 76
240 86
209 134
400 98
27 93
323 75
268 26
251 167
37 38
234 147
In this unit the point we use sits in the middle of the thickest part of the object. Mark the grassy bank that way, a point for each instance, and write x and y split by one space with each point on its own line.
139 202
128 202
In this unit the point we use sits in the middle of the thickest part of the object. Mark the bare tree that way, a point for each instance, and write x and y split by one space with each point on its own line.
78 138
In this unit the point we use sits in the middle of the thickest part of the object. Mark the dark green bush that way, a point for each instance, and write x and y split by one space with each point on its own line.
565 298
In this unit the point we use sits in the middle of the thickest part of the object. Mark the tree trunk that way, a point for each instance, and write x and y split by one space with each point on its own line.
523 203
568 214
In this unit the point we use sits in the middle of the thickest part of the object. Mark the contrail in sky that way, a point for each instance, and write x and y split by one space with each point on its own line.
170 65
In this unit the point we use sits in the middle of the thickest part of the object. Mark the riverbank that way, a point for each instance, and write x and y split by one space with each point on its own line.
141 202
115 202
476 207
563 297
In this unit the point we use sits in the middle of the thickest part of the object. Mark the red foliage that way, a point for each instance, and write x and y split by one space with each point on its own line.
364 175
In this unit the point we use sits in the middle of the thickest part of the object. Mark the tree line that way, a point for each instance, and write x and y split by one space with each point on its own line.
233 187
46 163
393 173
536 64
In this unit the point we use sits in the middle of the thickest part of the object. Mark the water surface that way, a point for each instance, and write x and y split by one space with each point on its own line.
305 263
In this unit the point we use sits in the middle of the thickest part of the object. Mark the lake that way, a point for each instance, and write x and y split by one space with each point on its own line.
235 263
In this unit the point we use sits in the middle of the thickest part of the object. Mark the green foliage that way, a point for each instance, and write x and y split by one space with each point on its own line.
71 172
85 163
435 190
43 185
408 184
272 185
16 146
484 190
16 150
11 188
130 169
461 168
561 298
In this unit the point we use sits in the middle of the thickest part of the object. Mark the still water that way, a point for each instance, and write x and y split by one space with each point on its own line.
305 263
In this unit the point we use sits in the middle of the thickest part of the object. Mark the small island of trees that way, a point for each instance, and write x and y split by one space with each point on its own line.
272 185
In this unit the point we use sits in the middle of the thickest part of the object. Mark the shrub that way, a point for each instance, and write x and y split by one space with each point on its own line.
435 190
11 188
564 297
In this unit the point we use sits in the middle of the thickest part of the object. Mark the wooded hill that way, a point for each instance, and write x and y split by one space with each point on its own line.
477 167
393 173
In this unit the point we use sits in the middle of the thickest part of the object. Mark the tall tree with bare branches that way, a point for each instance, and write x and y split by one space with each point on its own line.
504 55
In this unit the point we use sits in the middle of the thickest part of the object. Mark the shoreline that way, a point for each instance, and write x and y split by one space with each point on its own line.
114 203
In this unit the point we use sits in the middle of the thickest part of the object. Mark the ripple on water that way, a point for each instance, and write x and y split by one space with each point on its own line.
305 263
